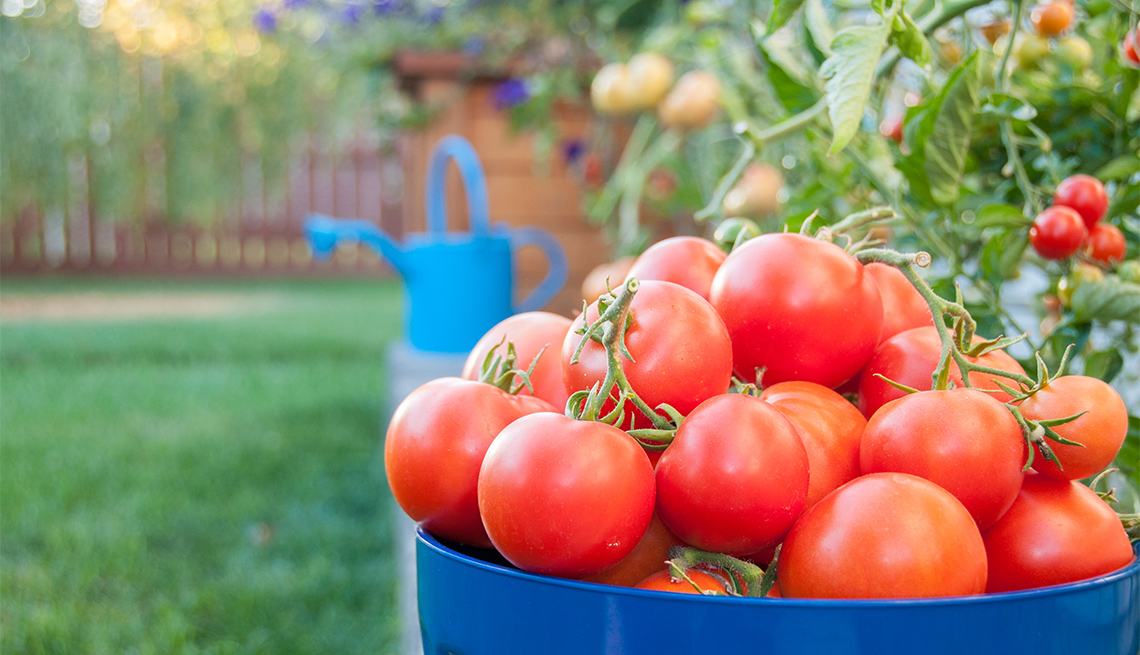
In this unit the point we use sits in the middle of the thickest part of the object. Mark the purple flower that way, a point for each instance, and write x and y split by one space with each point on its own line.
511 93
435 15
572 150
385 7
296 4
352 13
265 21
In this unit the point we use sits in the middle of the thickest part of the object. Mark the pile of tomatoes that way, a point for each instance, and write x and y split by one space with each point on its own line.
733 437
1073 224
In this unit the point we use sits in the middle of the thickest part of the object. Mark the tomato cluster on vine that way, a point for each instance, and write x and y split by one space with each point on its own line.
1073 224
706 444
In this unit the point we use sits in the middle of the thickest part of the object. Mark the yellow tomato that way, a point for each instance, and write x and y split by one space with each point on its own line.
692 102
612 92
650 76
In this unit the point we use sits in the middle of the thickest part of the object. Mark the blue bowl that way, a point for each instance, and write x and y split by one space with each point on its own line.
474 603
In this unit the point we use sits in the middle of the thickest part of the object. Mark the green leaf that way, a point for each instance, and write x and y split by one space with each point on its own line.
1107 300
910 40
1001 255
1104 364
820 33
849 72
637 14
1119 168
785 77
999 215
1000 107
782 12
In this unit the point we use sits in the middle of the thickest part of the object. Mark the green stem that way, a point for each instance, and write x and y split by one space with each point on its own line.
629 209
859 219
928 24
612 193
756 583
727 182
791 124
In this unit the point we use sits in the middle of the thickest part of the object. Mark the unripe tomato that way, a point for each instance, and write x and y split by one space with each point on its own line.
892 128
1029 50
595 283
612 91
1057 233
530 332
1080 274
1100 431
1129 271
650 76
1105 243
691 262
1084 194
692 102
951 52
1075 52
756 193
1053 18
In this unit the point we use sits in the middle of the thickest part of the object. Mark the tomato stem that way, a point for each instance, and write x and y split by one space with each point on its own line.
746 578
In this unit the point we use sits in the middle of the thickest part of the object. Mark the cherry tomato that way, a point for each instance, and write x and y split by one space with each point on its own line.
735 477
530 332
1100 431
962 440
1084 194
645 558
691 262
801 308
680 348
1056 532
650 76
830 428
615 272
1053 18
1029 50
892 128
564 497
612 91
692 103
1129 49
1105 243
1057 232
757 193
904 307
995 30
1075 53
661 581
435 445
910 358
884 535
1080 274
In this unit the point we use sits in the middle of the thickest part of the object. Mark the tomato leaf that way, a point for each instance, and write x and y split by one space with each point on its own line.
820 33
1107 300
1000 107
1001 255
910 40
849 72
786 72
782 12
1104 364
999 215
1119 168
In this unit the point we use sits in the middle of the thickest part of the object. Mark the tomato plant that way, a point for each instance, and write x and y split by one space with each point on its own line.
1057 232
691 262
1100 429
531 333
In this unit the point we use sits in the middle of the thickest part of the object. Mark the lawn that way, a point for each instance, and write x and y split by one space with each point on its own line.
198 485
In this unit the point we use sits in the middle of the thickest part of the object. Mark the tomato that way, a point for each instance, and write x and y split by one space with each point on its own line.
1056 531
564 497
892 128
692 103
660 185
661 581
1075 53
962 440
612 91
1105 243
1101 431
1057 233
995 30
884 535
645 558
910 358
680 348
757 193
1129 49
615 272
593 174
1080 274
435 445
650 76
904 307
951 52
1030 50
801 308
530 332
1084 194
691 262
1053 18
830 428
735 477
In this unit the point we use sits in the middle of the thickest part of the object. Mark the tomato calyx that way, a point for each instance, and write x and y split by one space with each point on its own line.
503 371
744 578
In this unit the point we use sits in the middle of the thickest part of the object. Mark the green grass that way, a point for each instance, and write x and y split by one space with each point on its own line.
199 485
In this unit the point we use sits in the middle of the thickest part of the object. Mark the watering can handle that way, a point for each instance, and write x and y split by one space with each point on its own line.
555 257
457 148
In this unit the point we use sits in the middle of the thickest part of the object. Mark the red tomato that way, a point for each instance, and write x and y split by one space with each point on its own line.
1056 531
885 535
1057 232
1101 431
680 348
661 581
892 128
830 428
530 332
799 307
1105 243
735 477
564 497
904 306
910 358
1086 195
435 445
962 440
645 558
688 261
1128 47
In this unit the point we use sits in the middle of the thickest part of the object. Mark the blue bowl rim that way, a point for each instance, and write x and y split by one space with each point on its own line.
1130 570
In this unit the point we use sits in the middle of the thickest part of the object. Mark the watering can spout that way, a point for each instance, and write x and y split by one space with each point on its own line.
324 233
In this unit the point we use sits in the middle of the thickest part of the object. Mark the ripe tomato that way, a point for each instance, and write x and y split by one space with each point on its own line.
1129 49
962 440
884 535
1056 531
645 558
892 128
1057 232
1105 243
530 332
650 76
661 581
692 103
595 283
735 477
435 446
564 497
680 349
830 428
800 307
910 358
1084 194
691 262
612 91
757 193
1101 431
1053 18
904 307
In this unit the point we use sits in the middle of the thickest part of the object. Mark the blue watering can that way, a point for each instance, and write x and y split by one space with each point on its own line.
457 286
